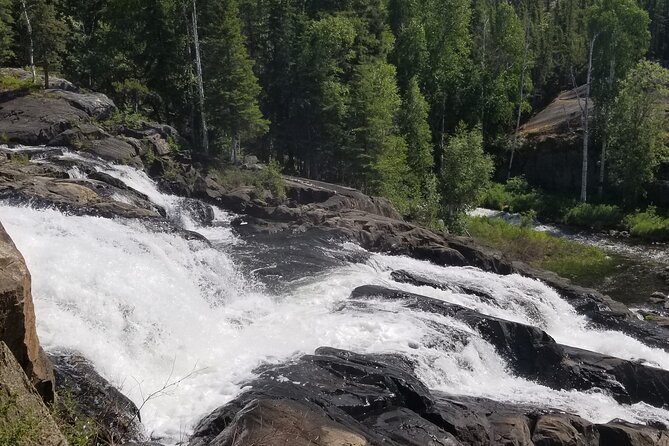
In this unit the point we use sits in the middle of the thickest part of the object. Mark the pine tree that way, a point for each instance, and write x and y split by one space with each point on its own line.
381 151
49 33
231 87
416 131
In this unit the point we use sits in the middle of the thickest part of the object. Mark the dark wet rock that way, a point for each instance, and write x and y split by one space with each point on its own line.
279 259
533 354
402 276
106 178
116 417
201 213
625 434
347 398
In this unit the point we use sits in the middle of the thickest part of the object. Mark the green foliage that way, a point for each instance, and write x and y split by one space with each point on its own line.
49 36
268 179
499 60
621 27
124 118
78 429
131 94
648 225
637 130
6 31
566 258
12 83
594 216
465 172
231 87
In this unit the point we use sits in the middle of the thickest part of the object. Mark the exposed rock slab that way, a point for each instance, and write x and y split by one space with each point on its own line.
49 185
17 318
22 409
35 120
376 400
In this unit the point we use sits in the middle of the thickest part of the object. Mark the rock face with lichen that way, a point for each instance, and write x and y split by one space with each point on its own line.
17 318
24 419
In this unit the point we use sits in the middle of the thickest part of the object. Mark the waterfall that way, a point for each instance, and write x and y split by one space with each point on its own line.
151 309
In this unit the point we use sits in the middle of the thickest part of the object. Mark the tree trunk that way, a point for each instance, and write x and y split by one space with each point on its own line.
235 148
200 81
31 51
46 74
520 101
586 126
605 136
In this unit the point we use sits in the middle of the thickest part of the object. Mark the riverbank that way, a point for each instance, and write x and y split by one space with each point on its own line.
650 224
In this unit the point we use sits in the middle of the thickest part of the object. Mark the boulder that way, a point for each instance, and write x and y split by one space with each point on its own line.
24 419
116 417
35 120
96 105
17 318
113 149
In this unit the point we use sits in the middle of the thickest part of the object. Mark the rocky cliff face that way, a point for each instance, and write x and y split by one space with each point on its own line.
17 318
24 419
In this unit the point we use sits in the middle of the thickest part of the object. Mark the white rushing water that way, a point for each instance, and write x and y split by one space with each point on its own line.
151 308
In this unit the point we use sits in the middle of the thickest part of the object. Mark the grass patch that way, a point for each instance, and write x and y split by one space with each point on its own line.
22 159
566 258
11 83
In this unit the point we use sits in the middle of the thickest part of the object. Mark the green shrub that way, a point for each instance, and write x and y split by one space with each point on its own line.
269 179
514 196
594 216
124 118
648 225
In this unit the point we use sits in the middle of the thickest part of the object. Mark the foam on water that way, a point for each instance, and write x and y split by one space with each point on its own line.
150 308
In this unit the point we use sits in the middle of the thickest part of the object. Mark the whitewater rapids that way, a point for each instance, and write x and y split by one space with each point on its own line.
153 310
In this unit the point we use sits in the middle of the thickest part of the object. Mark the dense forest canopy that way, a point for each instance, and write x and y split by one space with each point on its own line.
403 98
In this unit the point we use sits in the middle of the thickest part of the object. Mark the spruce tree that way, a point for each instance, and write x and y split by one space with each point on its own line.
231 87
49 33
